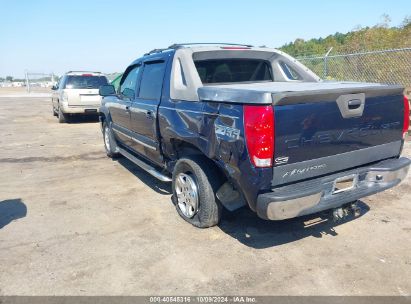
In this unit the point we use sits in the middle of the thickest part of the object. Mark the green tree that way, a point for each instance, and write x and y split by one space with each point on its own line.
378 37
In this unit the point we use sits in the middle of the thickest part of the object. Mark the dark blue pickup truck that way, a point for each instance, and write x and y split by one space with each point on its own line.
233 125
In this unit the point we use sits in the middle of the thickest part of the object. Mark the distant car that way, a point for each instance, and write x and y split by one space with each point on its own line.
77 93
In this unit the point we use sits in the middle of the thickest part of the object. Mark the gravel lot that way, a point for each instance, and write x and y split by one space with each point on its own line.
73 222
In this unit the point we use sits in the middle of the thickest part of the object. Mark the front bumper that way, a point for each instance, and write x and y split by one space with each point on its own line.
317 194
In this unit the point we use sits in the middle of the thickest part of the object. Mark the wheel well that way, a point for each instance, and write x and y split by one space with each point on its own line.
102 118
222 177
185 149
182 148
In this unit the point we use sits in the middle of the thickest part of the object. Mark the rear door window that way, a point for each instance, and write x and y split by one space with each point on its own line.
85 82
233 70
152 80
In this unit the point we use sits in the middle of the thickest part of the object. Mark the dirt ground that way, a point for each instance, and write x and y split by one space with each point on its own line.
73 222
14 90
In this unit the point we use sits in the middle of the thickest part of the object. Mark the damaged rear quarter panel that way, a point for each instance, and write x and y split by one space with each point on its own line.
216 129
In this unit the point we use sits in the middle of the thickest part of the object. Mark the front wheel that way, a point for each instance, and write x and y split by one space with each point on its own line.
195 182
110 143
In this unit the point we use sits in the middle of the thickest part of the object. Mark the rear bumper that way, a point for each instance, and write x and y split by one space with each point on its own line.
316 195
83 109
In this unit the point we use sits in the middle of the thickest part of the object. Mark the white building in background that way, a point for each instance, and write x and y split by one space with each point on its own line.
12 84
17 84
6 84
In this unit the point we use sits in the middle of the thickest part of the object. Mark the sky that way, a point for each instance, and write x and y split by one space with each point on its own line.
56 36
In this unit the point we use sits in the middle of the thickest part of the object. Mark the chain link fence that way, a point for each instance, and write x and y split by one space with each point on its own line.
386 66
35 81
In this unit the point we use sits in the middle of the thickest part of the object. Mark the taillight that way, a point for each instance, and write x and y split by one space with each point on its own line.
406 124
259 134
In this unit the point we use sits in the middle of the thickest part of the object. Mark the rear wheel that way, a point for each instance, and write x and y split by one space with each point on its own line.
195 183
61 116
110 143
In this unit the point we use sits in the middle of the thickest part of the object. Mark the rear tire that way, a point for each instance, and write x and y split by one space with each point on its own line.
110 143
195 182
61 116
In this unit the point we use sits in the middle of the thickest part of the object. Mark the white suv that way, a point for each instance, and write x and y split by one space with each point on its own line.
77 93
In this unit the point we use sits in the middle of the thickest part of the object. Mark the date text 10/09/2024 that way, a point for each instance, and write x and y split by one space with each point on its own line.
203 299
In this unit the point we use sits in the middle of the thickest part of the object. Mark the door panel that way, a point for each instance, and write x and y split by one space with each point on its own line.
120 106
143 111
120 116
143 126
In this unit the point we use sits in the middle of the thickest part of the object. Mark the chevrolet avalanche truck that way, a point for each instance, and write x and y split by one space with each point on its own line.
234 125
77 93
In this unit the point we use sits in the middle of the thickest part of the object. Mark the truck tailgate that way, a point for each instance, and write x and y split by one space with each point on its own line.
321 132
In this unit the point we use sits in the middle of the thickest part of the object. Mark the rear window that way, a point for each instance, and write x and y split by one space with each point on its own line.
233 70
85 82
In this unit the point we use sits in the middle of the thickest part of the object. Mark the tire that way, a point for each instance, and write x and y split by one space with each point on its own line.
195 182
110 144
61 116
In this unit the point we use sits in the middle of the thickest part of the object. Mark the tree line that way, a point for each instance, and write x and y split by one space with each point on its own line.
379 37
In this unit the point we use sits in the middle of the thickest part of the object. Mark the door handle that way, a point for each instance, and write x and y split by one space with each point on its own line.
351 105
149 114
354 104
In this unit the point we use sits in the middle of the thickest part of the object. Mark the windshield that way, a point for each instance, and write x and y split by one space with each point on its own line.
233 70
85 82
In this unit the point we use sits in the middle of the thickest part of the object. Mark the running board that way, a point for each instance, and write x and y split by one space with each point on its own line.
143 165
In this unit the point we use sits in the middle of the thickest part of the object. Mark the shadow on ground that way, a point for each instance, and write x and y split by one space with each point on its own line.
151 181
78 119
11 210
250 230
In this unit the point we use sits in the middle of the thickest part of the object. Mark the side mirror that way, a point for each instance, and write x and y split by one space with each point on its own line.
54 87
107 90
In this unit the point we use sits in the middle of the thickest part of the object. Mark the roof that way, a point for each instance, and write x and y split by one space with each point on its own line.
176 46
83 72
202 47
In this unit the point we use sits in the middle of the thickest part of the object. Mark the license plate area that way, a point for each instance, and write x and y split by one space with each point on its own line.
345 183
89 98
90 110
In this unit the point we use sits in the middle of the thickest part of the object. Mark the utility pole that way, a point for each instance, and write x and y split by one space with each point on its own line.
27 81
326 62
